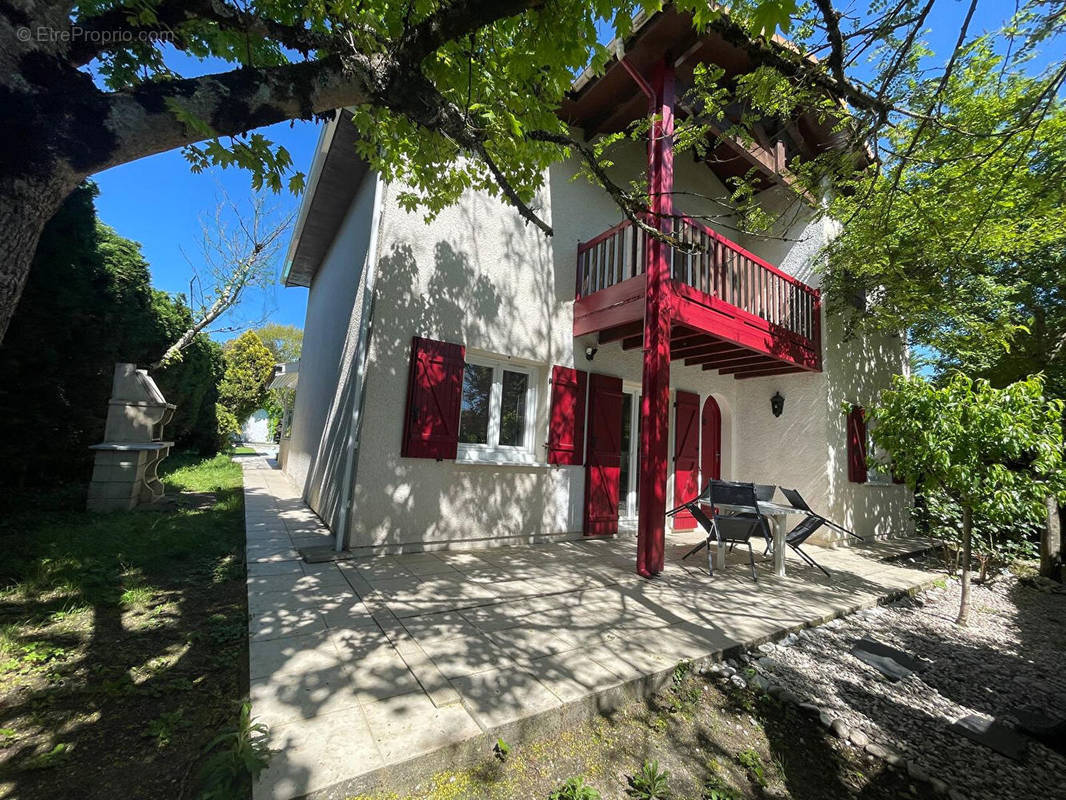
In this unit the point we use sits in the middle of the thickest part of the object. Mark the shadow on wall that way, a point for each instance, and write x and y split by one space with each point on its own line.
858 368
485 290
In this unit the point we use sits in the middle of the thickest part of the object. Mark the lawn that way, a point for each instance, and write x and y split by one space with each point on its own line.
122 639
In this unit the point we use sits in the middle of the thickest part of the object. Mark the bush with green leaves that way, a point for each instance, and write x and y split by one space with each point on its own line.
575 789
994 544
235 759
88 304
996 453
650 783
249 367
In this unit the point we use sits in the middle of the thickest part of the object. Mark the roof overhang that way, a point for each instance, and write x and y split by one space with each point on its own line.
336 174
608 102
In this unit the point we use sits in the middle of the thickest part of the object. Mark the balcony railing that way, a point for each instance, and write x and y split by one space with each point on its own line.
716 266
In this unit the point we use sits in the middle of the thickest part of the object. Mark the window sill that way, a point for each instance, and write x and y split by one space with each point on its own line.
498 458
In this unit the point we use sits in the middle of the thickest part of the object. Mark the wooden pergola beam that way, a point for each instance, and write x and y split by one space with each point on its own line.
754 372
621 332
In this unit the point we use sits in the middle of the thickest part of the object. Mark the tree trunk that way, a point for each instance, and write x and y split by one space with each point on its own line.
1051 542
25 206
964 603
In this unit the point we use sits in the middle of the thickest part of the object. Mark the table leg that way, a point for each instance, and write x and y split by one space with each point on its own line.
779 546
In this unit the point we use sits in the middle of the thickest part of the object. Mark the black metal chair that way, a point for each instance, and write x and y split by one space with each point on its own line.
798 535
764 493
734 528
797 501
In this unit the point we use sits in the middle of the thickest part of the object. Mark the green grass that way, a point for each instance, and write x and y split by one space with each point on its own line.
122 638
242 451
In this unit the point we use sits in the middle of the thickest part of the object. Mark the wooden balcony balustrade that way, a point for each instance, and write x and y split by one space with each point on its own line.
722 289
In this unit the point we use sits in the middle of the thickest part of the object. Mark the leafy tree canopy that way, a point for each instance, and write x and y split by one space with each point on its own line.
249 367
997 453
283 341
962 238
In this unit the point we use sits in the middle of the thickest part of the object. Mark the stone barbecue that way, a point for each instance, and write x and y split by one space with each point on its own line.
124 472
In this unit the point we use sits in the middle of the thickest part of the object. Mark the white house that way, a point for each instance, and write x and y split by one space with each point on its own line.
472 382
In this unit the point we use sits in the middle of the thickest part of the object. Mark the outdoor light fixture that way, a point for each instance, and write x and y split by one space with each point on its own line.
590 352
777 404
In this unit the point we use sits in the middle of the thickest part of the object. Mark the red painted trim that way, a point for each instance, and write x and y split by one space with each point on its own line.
610 307
621 332
658 322
740 327
857 472
736 248
751 372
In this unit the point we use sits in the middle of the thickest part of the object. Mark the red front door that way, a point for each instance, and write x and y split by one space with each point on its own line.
711 427
604 461
686 455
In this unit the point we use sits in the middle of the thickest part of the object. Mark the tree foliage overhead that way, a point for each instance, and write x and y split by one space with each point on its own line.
429 81
963 241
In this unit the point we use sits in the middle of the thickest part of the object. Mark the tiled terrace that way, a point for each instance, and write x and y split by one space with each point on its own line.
381 669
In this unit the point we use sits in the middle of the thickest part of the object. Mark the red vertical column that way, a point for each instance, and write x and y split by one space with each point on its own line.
655 402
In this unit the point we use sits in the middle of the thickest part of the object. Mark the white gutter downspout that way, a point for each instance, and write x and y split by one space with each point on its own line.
362 347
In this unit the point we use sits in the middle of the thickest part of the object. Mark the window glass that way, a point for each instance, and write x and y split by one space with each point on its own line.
474 413
513 408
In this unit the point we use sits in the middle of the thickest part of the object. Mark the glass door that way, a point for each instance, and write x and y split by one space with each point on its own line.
629 477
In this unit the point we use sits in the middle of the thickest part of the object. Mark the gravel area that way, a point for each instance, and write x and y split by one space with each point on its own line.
1009 657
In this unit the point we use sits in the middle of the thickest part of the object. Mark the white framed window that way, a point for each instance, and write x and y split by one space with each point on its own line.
497 412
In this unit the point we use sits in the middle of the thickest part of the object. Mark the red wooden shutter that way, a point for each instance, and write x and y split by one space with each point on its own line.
686 455
603 468
566 426
434 394
857 445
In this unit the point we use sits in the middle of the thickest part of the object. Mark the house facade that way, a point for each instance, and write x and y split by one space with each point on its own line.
470 381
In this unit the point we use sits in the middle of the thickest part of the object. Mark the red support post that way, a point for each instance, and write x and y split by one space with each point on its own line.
655 403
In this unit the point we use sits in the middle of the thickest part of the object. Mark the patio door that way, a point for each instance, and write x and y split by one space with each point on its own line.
629 480
604 460
686 455
711 436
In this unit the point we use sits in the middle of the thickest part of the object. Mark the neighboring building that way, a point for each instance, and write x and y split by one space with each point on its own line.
472 382
284 383
257 427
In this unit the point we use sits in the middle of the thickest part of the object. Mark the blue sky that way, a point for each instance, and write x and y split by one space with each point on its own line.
158 202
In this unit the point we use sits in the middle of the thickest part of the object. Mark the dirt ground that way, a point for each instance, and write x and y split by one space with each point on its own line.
717 742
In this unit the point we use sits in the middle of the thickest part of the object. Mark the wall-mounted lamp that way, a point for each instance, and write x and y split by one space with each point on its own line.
590 352
777 404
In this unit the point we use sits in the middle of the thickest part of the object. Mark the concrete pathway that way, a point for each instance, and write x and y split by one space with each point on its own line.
378 670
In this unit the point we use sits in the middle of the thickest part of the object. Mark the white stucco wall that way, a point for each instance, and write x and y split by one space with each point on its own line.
479 276
315 456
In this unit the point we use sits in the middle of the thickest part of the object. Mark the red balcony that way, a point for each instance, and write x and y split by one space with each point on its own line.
729 309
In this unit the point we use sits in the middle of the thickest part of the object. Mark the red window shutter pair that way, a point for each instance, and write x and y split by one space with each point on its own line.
857 445
434 396
434 400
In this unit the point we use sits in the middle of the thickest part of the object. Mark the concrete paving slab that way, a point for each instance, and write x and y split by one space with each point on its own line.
502 696
423 658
